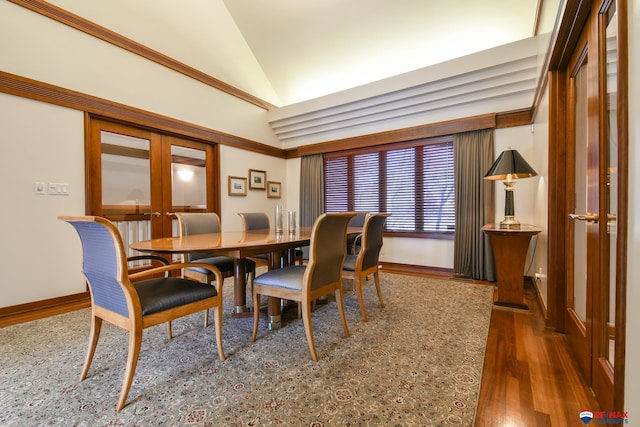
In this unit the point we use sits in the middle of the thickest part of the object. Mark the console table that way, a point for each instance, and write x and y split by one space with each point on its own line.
510 248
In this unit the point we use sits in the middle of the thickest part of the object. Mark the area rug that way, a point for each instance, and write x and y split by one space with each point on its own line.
418 361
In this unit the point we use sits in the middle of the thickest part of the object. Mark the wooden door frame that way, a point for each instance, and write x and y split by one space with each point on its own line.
93 161
576 15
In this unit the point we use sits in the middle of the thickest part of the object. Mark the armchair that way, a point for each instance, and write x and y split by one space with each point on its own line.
134 306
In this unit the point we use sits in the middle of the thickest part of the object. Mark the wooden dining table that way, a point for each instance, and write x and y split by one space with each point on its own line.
237 245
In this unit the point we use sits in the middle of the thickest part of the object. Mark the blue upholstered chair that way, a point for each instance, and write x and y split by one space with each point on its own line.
305 283
259 222
357 267
353 241
203 223
129 302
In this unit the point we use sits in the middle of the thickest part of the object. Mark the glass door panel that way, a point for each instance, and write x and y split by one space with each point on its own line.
580 260
611 141
188 179
126 171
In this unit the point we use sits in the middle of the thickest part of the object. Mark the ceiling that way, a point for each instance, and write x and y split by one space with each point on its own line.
309 48
288 51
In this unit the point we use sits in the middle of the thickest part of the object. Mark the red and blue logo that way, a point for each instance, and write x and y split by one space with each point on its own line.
604 417
586 416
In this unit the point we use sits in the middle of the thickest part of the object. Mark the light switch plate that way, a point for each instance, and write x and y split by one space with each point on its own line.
39 188
58 189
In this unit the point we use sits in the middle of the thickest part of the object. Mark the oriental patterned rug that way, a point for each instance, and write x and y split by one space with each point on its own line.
418 361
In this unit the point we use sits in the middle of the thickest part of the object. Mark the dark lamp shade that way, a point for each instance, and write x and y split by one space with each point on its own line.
510 162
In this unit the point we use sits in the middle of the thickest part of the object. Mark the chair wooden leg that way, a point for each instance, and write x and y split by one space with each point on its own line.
308 329
341 311
206 318
169 330
376 278
135 340
96 326
256 315
217 311
358 285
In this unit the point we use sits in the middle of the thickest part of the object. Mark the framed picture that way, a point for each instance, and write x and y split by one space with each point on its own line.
257 179
273 190
237 186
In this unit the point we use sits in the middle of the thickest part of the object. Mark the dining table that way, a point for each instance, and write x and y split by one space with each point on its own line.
237 245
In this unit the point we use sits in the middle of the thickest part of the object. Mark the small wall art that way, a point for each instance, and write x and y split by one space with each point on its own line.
237 186
257 179
273 189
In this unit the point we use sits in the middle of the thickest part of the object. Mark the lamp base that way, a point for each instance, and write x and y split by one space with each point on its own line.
510 223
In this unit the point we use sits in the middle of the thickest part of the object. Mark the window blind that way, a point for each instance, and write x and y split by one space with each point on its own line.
413 181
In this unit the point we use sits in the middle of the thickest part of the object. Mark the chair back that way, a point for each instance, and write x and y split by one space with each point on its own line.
197 223
358 220
327 250
104 264
254 221
372 240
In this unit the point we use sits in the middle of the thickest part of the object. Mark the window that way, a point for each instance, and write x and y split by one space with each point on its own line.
413 181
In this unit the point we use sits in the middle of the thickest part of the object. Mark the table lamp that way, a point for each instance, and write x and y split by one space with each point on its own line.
509 166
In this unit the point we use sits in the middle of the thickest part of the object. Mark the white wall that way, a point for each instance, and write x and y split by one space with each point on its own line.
42 49
235 162
632 367
40 255
540 161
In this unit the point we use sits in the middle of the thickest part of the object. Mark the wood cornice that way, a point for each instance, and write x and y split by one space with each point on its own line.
67 18
514 118
32 89
484 121
98 107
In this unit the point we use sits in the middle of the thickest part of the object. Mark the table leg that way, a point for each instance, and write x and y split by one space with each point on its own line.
239 289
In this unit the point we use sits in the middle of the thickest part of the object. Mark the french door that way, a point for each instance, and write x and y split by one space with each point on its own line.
138 178
592 181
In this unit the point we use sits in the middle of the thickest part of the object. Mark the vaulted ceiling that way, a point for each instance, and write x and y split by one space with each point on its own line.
308 48
287 51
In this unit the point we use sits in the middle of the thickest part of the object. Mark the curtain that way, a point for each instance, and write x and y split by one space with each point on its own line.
473 157
311 189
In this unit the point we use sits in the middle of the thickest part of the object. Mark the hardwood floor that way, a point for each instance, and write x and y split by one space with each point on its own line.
529 378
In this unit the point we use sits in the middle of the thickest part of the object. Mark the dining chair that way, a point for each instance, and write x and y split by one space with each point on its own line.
134 304
259 222
191 223
305 283
256 221
366 262
353 241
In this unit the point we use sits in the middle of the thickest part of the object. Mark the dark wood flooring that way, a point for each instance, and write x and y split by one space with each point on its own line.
529 377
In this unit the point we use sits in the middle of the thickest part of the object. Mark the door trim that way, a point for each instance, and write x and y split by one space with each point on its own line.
575 17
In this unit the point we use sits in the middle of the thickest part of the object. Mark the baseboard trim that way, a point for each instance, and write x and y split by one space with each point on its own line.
50 307
418 270
40 309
